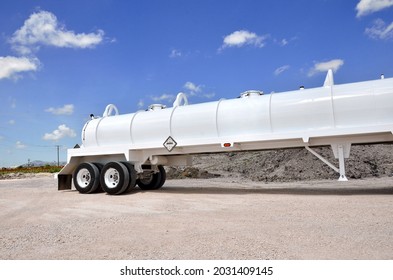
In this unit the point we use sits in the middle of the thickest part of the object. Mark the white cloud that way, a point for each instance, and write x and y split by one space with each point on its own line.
209 95
333 64
10 66
140 103
284 42
380 30
59 133
175 53
365 7
193 88
243 37
163 97
67 109
281 69
20 145
11 122
43 28
197 90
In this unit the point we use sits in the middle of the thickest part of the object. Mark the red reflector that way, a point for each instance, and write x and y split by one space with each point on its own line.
226 145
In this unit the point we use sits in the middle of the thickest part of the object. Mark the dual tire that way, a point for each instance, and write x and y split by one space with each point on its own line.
114 178
153 181
87 177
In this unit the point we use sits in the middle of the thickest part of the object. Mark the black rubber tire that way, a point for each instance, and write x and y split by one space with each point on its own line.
114 178
132 176
163 176
86 177
99 166
157 180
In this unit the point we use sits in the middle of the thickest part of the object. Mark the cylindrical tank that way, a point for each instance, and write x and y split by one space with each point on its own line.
331 109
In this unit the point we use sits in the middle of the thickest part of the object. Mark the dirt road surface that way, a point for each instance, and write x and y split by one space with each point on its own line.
218 218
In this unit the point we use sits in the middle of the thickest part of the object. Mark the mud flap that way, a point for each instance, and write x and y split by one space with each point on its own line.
64 182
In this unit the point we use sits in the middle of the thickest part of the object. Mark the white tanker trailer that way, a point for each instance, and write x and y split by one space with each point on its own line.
120 151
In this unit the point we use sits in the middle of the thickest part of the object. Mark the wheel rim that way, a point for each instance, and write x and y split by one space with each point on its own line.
112 178
83 177
146 180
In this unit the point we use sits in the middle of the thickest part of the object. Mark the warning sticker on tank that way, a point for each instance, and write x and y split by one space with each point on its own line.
170 144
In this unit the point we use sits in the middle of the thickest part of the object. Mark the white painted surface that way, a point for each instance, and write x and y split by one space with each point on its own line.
328 111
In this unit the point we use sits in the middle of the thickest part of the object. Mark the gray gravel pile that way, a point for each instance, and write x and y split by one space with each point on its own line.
20 175
289 164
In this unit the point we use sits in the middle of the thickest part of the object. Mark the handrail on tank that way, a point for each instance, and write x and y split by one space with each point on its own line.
109 110
180 98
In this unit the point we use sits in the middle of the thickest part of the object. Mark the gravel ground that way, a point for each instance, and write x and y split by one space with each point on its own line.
218 218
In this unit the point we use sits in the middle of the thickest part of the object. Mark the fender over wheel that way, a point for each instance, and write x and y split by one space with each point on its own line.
154 181
114 178
86 177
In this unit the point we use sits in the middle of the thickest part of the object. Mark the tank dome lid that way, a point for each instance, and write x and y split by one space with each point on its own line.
251 93
156 107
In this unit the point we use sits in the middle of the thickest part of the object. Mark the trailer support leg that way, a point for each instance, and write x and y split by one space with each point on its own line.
341 152
328 163
341 162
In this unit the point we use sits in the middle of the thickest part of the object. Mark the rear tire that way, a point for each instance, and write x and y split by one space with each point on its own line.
132 176
114 178
163 176
99 166
86 177
155 181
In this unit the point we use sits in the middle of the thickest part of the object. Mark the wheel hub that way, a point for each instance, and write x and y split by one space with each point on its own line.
83 177
111 178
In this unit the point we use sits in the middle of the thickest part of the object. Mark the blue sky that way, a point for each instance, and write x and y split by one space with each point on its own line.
62 60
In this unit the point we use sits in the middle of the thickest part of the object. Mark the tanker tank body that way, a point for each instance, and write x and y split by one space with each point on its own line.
121 151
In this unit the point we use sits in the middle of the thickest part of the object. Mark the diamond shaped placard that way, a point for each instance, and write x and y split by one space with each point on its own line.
170 144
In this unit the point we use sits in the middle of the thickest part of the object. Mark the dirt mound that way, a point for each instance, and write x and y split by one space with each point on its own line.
22 175
290 164
189 172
